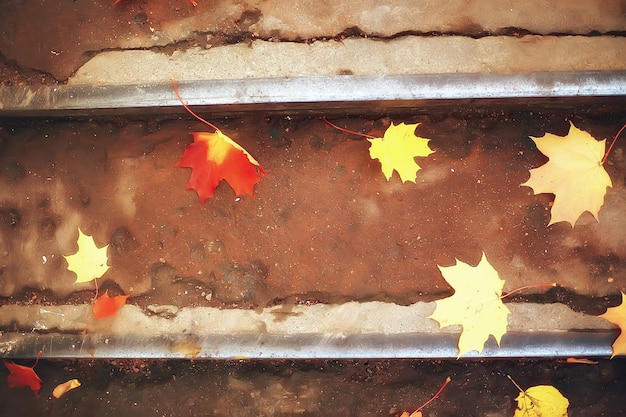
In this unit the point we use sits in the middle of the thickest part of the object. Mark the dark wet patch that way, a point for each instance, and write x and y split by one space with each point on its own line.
122 240
162 273
9 218
588 305
13 171
312 388
242 283
248 18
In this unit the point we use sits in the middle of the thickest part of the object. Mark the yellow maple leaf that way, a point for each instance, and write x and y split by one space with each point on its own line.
574 174
617 315
398 149
89 262
541 401
475 305
415 414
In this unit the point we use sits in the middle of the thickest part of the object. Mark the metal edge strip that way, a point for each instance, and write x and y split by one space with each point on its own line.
274 92
302 346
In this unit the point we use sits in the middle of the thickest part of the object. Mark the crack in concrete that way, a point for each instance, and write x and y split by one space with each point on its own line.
214 39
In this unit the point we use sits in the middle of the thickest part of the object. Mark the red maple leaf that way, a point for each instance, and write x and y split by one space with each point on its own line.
214 157
23 376
107 306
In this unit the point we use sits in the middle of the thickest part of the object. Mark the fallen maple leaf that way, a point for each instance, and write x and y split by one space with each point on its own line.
574 174
476 304
541 401
617 315
397 151
107 306
61 389
89 262
214 157
24 376
413 414
582 361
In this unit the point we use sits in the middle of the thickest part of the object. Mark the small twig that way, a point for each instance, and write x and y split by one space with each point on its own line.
348 130
86 329
175 85
434 396
525 287
606 154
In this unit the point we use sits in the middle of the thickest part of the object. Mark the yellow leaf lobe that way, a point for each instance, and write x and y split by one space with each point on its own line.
617 316
573 173
475 305
397 151
541 401
89 262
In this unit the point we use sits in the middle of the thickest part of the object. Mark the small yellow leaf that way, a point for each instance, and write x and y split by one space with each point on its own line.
574 174
61 389
475 305
90 262
398 149
617 315
541 401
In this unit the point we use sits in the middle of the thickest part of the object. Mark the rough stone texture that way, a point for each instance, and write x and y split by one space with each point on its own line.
406 55
309 18
59 36
347 318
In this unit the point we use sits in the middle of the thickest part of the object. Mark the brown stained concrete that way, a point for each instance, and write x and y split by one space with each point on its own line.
58 37
324 224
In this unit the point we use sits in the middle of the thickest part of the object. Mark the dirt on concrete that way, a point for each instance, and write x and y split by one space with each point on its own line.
242 388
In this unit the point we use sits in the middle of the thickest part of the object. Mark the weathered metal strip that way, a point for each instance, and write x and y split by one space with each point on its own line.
306 92
301 346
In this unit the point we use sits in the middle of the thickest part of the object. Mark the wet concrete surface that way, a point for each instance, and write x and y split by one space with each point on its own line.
242 388
324 225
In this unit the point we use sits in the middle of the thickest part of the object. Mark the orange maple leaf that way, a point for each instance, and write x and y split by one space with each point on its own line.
617 315
23 376
214 157
107 306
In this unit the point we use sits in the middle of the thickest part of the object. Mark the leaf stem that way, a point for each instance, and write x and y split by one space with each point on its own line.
434 397
348 130
525 287
606 154
175 85
37 360
516 384
95 297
